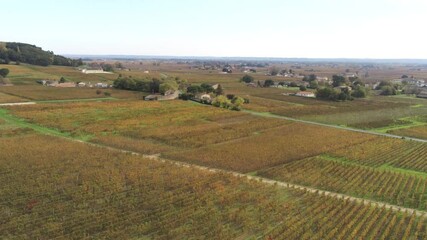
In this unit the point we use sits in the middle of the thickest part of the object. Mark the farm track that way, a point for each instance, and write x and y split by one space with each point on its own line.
17 104
267 181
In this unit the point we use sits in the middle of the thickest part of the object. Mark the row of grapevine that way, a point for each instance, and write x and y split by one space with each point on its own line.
60 189
381 151
361 181
323 217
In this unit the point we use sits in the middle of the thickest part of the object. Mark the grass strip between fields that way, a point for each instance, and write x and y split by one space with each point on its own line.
384 167
19 122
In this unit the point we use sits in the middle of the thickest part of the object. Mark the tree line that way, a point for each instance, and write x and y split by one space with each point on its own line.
31 54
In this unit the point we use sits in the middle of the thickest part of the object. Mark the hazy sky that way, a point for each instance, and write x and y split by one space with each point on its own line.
257 28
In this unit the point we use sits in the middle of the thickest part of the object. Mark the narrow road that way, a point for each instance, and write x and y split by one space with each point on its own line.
270 115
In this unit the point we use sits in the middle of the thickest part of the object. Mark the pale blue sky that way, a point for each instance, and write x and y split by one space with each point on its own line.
257 28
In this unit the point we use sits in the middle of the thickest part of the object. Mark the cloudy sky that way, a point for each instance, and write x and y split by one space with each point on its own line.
250 28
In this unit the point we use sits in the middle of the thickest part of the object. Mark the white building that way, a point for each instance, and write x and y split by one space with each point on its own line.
305 94
86 71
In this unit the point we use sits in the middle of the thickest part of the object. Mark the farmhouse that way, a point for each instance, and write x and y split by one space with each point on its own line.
305 94
66 85
101 85
343 88
87 71
50 83
169 95
215 86
204 97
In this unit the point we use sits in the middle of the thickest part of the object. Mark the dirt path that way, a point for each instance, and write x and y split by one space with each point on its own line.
17 104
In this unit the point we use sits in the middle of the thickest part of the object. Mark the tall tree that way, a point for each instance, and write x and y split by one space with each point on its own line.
4 72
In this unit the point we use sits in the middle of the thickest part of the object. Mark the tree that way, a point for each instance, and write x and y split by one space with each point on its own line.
247 78
274 71
118 65
310 78
359 92
221 101
388 90
230 96
107 67
62 80
219 90
293 84
314 84
4 72
358 82
238 100
194 89
302 88
168 86
338 80
268 83
155 85
327 93
207 87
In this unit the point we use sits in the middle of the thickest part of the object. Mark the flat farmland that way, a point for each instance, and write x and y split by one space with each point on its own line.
6 98
64 189
416 132
274 147
190 132
381 169
385 184
147 127
28 74
38 92
386 152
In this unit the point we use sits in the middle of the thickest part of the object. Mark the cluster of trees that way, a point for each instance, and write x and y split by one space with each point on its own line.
153 85
342 89
312 81
230 101
387 88
193 90
31 54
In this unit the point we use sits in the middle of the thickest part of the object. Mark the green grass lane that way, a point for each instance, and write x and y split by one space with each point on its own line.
19 122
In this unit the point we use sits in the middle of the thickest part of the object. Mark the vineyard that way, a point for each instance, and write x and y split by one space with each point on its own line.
72 190
416 132
281 145
37 92
6 98
158 125
384 151
378 184
63 189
